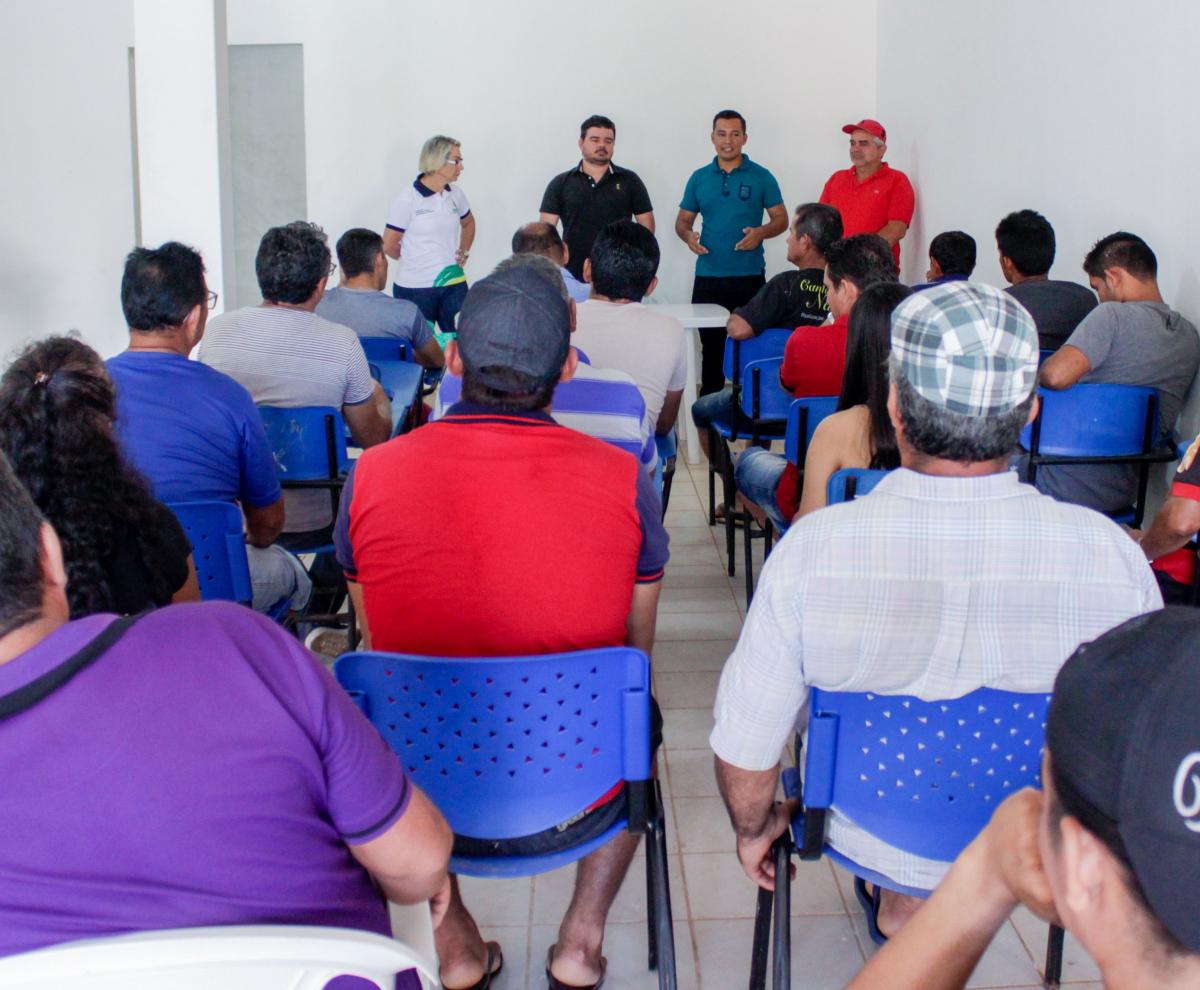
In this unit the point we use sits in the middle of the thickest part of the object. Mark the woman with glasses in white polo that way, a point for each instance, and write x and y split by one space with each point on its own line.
430 229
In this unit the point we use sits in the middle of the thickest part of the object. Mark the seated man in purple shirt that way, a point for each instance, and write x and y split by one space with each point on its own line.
194 432
186 767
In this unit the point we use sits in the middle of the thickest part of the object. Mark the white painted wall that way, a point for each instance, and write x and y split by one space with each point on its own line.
513 80
66 186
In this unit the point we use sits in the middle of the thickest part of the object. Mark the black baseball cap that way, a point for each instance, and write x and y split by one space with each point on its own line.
516 319
1123 732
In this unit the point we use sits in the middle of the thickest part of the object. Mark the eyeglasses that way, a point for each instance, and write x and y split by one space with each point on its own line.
212 299
454 161
332 267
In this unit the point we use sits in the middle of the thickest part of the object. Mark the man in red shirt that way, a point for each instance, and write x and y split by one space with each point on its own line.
813 361
548 540
872 197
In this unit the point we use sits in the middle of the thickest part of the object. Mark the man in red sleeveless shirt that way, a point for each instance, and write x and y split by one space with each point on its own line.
545 540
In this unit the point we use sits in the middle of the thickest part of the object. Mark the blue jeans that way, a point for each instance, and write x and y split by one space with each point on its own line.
275 575
757 473
714 405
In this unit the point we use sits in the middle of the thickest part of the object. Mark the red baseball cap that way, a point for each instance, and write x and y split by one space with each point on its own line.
870 126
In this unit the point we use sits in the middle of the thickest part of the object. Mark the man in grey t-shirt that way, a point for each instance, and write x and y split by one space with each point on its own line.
1131 338
360 303
283 354
1025 241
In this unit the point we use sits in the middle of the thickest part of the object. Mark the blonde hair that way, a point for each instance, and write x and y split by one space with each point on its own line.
434 153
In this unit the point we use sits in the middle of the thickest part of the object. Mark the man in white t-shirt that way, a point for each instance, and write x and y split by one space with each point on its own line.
616 330
285 355
430 229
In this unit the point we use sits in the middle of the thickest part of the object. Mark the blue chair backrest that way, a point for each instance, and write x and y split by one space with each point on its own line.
308 442
850 483
667 445
387 349
739 353
1096 420
924 776
509 746
218 549
803 415
762 396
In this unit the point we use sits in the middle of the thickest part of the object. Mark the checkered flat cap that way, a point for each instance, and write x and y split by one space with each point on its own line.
967 348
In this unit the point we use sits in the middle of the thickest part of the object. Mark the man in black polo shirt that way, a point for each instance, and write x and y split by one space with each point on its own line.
595 193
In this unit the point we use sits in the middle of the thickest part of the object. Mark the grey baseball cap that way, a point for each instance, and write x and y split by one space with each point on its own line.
967 348
515 320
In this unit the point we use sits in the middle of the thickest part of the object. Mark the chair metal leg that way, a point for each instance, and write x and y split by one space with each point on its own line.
665 936
748 543
730 509
761 944
1054 955
713 440
651 902
781 978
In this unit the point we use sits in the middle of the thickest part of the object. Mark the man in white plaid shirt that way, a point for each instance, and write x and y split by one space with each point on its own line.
951 575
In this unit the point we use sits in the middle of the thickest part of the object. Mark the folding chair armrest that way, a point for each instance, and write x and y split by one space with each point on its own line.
321 484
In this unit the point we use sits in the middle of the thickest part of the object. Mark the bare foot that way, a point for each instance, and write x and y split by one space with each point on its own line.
895 909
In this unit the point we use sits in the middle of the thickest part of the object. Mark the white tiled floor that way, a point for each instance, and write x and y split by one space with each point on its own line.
700 616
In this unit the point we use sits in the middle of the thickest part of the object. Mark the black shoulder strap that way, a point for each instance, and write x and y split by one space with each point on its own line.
33 692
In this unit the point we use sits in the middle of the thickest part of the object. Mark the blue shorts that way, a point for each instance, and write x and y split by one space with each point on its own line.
438 305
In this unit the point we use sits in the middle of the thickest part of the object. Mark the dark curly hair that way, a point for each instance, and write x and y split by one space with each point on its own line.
291 262
57 406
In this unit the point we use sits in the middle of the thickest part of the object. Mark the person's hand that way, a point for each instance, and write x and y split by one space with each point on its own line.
439 903
755 854
693 242
738 329
1134 534
461 256
1011 846
753 238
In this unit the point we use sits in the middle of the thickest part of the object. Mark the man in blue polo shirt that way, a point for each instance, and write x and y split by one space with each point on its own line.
730 194
194 432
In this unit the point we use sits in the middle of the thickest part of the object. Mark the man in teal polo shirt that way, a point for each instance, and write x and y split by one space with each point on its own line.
730 194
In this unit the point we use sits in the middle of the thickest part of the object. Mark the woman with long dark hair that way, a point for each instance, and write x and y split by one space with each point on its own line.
860 433
124 551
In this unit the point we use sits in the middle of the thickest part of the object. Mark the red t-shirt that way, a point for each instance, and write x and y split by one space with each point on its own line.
867 207
492 534
814 360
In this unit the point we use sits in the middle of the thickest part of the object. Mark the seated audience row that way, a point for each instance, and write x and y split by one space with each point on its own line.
897 593
813 364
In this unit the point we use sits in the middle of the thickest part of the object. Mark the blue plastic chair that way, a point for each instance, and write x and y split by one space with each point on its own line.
801 418
1100 424
723 430
849 483
924 776
667 446
508 747
309 447
402 382
214 530
381 349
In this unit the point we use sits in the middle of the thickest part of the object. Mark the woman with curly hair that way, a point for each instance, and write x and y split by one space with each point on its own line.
124 551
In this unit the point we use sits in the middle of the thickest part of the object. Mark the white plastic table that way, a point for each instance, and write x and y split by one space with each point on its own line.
693 316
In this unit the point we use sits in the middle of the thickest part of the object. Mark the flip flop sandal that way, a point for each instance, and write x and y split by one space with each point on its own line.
557 984
494 956
719 515
870 906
